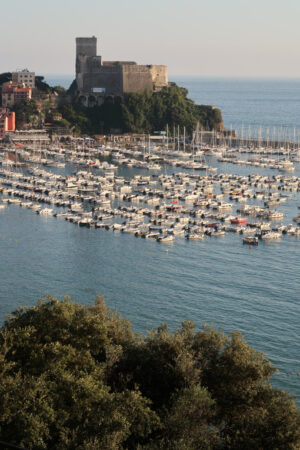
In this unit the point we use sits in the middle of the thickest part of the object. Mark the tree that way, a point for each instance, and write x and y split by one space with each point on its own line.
78 377
4 77
27 112
60 90
42 86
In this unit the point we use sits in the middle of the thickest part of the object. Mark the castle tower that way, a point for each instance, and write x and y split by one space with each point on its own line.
86 46
87 61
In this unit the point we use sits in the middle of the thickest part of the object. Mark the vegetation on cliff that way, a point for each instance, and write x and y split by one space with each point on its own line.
42 86
27 113
171 106
144 112
78 377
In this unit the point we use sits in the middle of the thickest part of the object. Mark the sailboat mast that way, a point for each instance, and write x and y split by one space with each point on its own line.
167 137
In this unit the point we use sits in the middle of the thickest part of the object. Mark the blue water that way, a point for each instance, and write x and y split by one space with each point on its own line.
214 281
251 103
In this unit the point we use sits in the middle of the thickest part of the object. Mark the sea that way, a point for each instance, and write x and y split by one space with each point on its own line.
216 281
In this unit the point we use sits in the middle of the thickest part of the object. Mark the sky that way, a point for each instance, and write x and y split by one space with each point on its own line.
239 38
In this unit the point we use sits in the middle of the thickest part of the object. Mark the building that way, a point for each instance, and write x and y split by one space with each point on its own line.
13 93
7 122
3 126
31 136
97 79
24 77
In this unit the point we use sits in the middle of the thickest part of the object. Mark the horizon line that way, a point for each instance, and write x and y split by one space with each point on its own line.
293 77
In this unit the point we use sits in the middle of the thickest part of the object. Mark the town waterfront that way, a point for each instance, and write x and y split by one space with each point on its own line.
255 290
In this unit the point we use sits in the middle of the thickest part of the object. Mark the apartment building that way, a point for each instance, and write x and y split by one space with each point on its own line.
24 77
13 93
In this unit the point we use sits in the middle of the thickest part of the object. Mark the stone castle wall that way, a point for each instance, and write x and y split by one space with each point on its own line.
97 80
109 79
86 65
159 76
136 78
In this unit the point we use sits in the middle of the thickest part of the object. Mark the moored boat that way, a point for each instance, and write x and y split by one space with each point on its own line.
250 240
239 221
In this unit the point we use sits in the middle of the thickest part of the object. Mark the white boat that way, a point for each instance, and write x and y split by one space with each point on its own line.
76 207
154 167
276 215
166 238
45 212
35 206
271 236
195 236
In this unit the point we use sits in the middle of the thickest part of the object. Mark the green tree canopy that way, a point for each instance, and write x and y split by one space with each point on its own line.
147 112
78 377
60 90
42 86
26 112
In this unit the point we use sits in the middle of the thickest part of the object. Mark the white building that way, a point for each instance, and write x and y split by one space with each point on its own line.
24 76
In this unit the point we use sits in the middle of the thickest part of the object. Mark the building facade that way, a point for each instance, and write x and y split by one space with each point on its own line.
7 122
97 79
13 93
24 77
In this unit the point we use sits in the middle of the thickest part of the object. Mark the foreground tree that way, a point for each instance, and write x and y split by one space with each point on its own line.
78 377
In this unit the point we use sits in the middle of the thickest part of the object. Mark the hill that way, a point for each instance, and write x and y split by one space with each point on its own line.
144 112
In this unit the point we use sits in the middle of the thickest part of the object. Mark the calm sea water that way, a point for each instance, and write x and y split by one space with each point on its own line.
254 105
215 281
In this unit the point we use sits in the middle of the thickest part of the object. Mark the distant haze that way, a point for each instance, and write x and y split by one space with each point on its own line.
193 37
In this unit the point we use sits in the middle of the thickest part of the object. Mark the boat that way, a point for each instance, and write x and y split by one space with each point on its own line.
250 240
218 233
46 212
275 215
271 236
195 236
239 221
165 239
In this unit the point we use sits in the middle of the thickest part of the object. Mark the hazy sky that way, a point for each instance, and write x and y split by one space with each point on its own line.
192 37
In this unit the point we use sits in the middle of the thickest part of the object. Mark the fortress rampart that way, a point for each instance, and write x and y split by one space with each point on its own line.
97 79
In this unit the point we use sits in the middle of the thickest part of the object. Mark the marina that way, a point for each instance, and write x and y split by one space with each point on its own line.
194 202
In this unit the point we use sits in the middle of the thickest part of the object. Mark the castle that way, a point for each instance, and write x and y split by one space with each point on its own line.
97 79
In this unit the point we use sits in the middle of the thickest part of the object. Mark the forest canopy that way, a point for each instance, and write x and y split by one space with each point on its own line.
78 377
